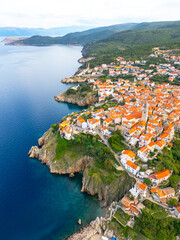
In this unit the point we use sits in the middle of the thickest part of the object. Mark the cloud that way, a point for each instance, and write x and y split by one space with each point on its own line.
55 13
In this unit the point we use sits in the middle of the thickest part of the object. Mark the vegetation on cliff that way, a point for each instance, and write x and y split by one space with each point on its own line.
84 145
81 94
68 153
85 153
116 141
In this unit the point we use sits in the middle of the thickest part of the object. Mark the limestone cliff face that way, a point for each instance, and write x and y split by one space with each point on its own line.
47 152
79 100
48 148
113 191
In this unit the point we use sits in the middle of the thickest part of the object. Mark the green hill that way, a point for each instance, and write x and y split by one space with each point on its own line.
129 38
80 38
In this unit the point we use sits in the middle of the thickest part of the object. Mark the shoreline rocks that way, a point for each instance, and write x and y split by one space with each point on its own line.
94 231
84 60
75 79
34 152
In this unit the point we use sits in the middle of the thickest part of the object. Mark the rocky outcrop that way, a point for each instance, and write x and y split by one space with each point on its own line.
48 148
69 167
47 152
79 100
114 190
84 60
34 152
75 79
41 141
92 231
108 188
95 230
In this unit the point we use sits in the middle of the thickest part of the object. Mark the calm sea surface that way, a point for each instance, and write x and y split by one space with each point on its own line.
35 204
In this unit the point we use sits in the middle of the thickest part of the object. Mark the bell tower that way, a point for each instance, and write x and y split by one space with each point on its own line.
145 112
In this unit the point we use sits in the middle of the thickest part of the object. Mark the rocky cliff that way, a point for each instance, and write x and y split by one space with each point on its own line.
46 153
76 99
110 191
96 229
108 185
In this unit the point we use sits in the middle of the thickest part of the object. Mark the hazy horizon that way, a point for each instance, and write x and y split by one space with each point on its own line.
40 14
87 27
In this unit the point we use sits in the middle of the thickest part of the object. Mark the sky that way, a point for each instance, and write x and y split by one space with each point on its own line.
62 13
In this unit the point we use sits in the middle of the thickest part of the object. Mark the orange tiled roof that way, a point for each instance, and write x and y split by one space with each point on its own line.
132 165
130 153
142 186
162 174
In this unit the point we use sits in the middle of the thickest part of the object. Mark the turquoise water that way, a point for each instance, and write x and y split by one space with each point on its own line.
35 204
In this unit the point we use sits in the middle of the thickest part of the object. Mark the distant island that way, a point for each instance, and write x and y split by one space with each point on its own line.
126 142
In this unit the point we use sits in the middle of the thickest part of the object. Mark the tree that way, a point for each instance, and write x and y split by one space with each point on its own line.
172 202
147 181
55 127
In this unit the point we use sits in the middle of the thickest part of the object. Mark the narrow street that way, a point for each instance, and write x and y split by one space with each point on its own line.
105 141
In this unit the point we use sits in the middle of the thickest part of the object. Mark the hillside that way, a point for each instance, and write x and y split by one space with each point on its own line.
125 39
84 153
80 94
111 38
80 38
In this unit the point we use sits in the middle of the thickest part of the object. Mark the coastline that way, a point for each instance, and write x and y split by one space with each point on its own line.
71 146
95 229
59 191
90 230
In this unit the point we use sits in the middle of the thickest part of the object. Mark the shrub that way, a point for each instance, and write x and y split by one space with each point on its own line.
55 127
70 91
147 181
116 143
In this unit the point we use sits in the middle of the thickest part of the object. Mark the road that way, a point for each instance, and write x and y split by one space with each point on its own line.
105 141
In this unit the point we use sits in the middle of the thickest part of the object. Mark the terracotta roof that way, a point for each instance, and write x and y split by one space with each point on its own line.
162 174
151 144
141 185
130 153
143 149
81 120
132 165
178 208
160 143
134 209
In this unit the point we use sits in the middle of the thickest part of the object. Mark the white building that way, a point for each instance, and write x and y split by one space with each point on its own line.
131 167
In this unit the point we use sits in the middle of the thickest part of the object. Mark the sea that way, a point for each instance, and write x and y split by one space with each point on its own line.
34 204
